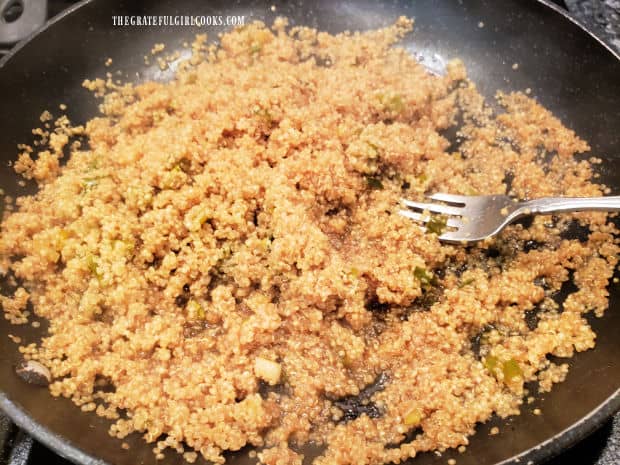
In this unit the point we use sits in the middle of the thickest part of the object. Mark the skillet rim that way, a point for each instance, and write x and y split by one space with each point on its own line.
540 453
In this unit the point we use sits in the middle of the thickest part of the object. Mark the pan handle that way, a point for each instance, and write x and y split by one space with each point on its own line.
19 18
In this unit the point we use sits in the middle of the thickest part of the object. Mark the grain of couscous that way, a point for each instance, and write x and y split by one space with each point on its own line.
222 265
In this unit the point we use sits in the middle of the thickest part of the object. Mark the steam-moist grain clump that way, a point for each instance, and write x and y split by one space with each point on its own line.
222 264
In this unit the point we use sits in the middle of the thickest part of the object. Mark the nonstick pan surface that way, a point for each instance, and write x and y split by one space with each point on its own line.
567 69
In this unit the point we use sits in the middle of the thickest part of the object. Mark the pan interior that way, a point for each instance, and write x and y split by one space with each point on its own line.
566 69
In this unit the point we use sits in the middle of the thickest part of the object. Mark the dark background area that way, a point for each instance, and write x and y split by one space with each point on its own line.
602 448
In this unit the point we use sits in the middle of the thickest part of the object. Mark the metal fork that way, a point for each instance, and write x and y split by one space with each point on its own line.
475 218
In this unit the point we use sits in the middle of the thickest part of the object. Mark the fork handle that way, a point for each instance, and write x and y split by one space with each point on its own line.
548 205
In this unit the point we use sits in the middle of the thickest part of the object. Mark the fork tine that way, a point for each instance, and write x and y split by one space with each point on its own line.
454 237
434 207
450 198
452 222
414 215
420 221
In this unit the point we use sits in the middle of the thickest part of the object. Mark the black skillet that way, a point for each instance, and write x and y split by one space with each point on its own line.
567 69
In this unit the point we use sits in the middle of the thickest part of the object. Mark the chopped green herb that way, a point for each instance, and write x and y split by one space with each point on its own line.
426 278
267 243
94 163
64 234
491 363
195 310
484 338
89 183
413 417
255 48
374 183
347 362
466 282
265 115
203 218
91 263
394 104
126 247
511 370
436 224
373 148
471 191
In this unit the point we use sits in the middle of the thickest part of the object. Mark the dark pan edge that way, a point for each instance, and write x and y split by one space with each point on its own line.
17 414
567 438
537 454
50 439
36 32
580 25
587 425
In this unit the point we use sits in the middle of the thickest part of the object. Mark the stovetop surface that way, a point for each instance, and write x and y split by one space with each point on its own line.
601 448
